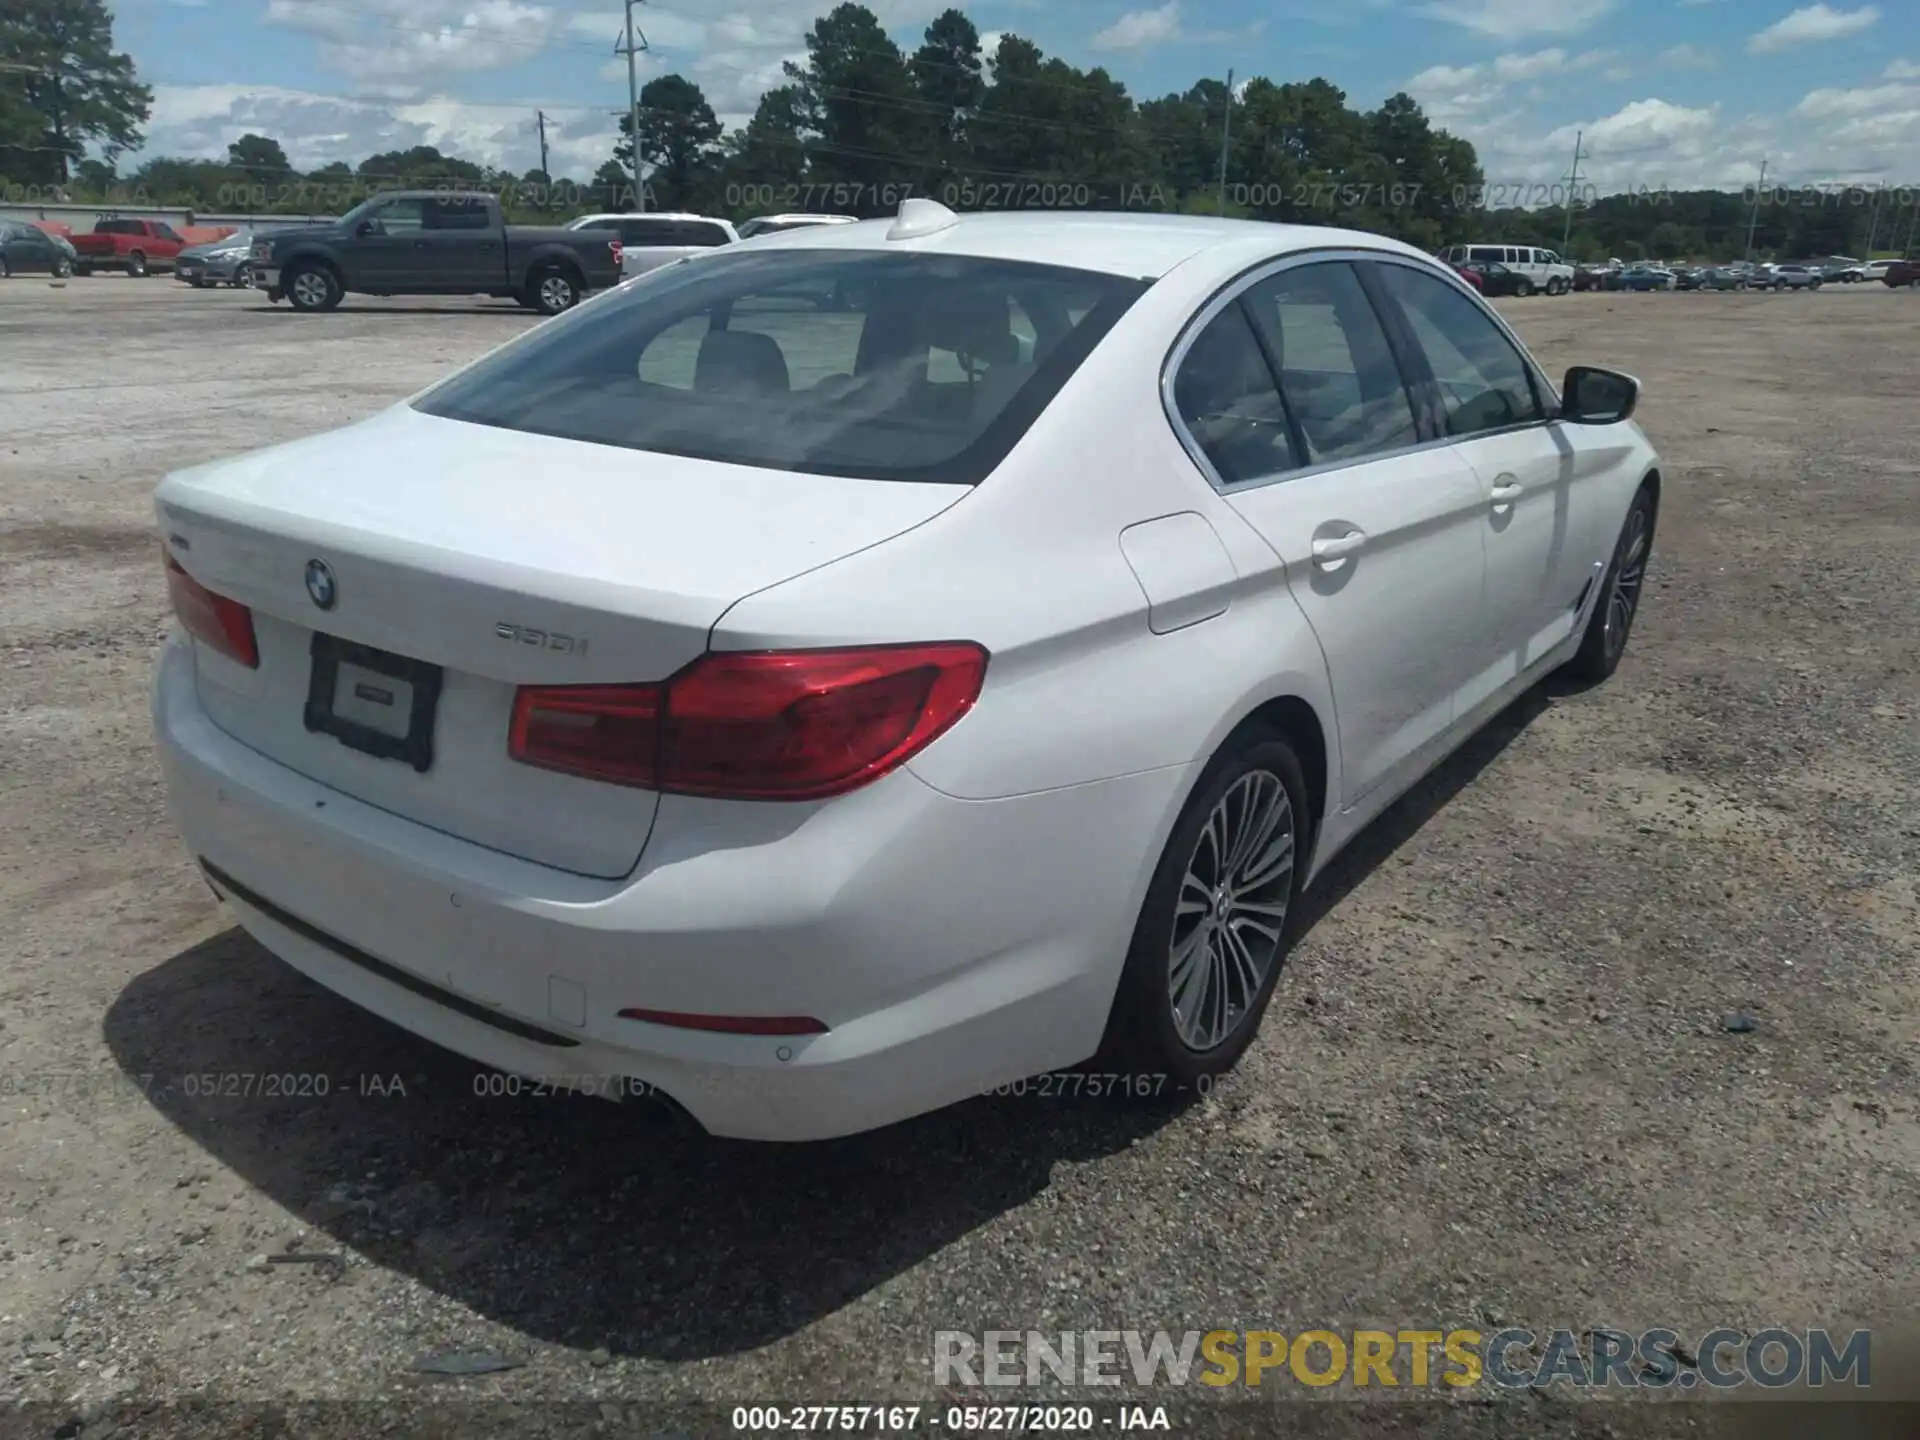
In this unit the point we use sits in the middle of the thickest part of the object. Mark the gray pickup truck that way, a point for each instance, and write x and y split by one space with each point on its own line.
435 243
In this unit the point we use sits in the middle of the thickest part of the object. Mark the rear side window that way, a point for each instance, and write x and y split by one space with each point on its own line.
701 232
1225 396
882 366
648 232
451 214
1484 382
119 227
1342 384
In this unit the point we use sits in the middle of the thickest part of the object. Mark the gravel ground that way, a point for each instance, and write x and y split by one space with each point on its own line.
1497 1084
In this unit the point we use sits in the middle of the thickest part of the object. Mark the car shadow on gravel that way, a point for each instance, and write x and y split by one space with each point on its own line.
583 1223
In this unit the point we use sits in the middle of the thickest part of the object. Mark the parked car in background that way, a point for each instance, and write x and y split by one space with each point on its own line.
1689 277
1724 277
626 710
138 247
1471 276
651 239
1593 277
432 242
769 224
1795 277
226 261
1646 277
28 250
1535 269
1496 279
1901 273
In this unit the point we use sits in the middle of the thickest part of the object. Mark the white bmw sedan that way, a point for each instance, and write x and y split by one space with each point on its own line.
886 662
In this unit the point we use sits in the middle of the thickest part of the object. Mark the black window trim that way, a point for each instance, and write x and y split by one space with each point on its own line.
1233 291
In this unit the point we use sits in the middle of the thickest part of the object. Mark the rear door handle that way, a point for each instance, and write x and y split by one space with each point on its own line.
1507 493
1334 550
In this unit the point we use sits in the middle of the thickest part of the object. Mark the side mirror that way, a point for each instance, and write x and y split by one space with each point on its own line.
1591 396
366 227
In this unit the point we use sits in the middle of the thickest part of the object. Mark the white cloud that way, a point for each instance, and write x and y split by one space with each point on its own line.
1902 70
200 121
1512 19
1884 100
407 44
1138 28
1812 24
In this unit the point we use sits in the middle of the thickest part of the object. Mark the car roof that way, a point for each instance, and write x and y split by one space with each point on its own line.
650 215
1146 246
809 218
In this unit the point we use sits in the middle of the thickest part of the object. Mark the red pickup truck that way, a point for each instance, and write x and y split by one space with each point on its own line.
135 246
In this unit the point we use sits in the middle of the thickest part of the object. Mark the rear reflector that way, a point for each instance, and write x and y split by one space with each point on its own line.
768 725
731 1024
214 620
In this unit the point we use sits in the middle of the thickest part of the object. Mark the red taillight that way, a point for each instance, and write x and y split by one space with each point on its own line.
214 620
774 725
731 1024
619 255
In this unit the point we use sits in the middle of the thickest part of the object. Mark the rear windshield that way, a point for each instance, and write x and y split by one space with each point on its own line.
832 362
119 227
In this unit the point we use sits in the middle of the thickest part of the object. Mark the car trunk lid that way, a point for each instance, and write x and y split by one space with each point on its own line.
502 559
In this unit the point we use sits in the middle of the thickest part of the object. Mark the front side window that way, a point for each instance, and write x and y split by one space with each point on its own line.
1485 383
924 367
1342 385
1225 396
399 217
701 232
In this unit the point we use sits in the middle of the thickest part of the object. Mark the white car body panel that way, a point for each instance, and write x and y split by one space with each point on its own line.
959 923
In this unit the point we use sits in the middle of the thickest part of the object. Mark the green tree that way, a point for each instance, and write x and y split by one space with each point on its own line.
770 150
679 143
66 88
949 81
859 113
257 158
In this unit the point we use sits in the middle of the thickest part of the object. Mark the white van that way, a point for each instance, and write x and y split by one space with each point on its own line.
650 239
1538 269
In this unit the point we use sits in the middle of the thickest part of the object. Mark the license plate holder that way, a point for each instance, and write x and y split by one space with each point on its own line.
373 701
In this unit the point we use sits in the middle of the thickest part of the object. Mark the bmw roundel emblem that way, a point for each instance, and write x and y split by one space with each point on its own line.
320 584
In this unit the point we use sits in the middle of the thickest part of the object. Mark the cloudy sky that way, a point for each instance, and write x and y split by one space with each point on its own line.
1667 92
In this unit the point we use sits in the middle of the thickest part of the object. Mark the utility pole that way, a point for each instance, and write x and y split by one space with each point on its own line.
1906 251
1754 218
543 143
630 49
1873 224
1573 188
1226 132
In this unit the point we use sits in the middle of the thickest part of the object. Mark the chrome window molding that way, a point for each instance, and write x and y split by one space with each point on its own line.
1234 289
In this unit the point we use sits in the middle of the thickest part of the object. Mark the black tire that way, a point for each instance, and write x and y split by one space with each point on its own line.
242 277
6 270
62 268
553 289
137 265
312 288
1607 630
1523 289
1144 1029
83 270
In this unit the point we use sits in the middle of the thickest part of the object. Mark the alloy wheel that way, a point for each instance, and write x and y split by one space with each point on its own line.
1629 572
1230 910
310 289
556 294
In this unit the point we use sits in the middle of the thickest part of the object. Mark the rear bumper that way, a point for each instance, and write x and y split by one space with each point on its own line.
950 945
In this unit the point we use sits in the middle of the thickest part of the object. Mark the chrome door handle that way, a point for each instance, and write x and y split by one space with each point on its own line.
1335 549
1507 494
